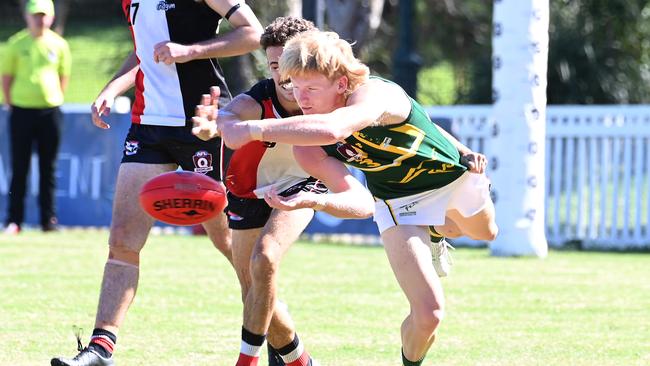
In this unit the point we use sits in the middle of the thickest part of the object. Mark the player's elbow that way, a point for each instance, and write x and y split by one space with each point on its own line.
335 134
367 208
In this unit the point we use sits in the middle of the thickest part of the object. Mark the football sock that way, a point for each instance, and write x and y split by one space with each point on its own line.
251 344
434 235
274 356
102 342
406 362
294 353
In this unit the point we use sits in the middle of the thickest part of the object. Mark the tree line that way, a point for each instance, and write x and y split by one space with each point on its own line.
599 51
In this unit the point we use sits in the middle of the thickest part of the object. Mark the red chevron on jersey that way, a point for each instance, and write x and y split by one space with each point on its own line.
259 166
165 95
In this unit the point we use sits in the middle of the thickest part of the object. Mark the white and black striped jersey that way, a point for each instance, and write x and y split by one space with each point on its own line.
166 95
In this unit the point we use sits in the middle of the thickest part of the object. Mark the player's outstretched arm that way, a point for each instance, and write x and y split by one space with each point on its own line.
374 103
243 38
348 198
122 81
208 118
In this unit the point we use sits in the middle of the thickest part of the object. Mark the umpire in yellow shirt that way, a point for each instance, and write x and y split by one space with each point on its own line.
35 71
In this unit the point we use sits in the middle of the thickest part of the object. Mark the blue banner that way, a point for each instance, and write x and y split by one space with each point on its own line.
87 166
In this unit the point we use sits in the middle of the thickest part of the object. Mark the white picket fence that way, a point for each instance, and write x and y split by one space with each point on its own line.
597 170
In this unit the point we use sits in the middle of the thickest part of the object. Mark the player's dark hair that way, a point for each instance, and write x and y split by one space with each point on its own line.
282 29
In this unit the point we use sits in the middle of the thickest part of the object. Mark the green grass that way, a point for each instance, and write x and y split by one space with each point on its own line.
97 49
573 308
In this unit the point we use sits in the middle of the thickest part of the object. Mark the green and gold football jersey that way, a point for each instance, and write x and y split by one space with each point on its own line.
401 159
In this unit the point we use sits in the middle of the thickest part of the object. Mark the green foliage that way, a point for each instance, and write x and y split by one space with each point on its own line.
447 32
436 85
569 309
599 52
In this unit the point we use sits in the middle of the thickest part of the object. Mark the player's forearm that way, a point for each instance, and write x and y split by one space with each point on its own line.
459 146
305 130
237 42
124 78
347 205
7 80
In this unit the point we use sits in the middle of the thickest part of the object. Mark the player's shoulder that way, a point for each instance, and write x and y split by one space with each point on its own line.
262 90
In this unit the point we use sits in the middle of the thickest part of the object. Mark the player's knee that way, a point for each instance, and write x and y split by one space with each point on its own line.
451 233
123 255
428 321
265 263
490 233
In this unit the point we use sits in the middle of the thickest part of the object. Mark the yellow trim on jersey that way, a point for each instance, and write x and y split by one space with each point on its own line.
390 210
404 153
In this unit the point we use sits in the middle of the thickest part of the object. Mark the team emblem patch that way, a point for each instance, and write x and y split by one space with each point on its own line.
348 152
131 147
202 162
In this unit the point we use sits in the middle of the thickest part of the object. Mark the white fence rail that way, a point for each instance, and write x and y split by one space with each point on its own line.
597 170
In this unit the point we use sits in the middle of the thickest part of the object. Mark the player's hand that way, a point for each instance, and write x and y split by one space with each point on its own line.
204 121
293 202
170 52
475 162
101 107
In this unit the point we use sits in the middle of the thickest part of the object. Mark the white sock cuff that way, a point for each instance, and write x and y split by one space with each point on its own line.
295 354
250 350
118 262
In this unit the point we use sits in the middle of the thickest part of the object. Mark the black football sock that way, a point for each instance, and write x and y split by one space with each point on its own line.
434 235
407 362
103 342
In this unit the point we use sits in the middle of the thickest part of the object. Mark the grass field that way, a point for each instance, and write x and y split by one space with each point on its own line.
573 308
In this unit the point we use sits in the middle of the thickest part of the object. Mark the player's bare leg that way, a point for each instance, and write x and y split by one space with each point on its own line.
409 255
130 226
220 235
481 226
282 230
281 329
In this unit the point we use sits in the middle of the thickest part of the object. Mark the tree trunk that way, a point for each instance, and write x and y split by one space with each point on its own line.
61 9
354 20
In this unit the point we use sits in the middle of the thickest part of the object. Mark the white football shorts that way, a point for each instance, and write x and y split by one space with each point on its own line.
468 194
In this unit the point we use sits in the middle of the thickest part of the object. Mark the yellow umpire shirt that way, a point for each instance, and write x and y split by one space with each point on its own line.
36 65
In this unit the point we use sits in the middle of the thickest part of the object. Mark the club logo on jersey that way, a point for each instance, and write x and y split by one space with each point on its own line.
348 152
165 5
355 155
131 147
202 162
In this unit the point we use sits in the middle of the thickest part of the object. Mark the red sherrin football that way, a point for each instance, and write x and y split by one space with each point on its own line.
183 198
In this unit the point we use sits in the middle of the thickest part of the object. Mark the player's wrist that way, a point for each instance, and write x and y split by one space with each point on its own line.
320 202
255 131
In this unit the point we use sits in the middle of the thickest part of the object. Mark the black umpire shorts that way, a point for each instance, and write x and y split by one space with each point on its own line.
175 145
253 213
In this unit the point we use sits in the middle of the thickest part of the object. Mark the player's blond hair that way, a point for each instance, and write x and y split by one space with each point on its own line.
324 53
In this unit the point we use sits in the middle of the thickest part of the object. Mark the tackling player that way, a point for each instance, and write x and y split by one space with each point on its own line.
425 183
261 235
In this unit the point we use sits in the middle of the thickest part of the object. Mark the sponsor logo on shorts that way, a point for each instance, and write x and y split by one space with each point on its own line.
131 147
234 217
406 209
202 162
165 5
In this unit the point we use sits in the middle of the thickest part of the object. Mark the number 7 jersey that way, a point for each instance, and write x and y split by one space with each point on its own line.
166 95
